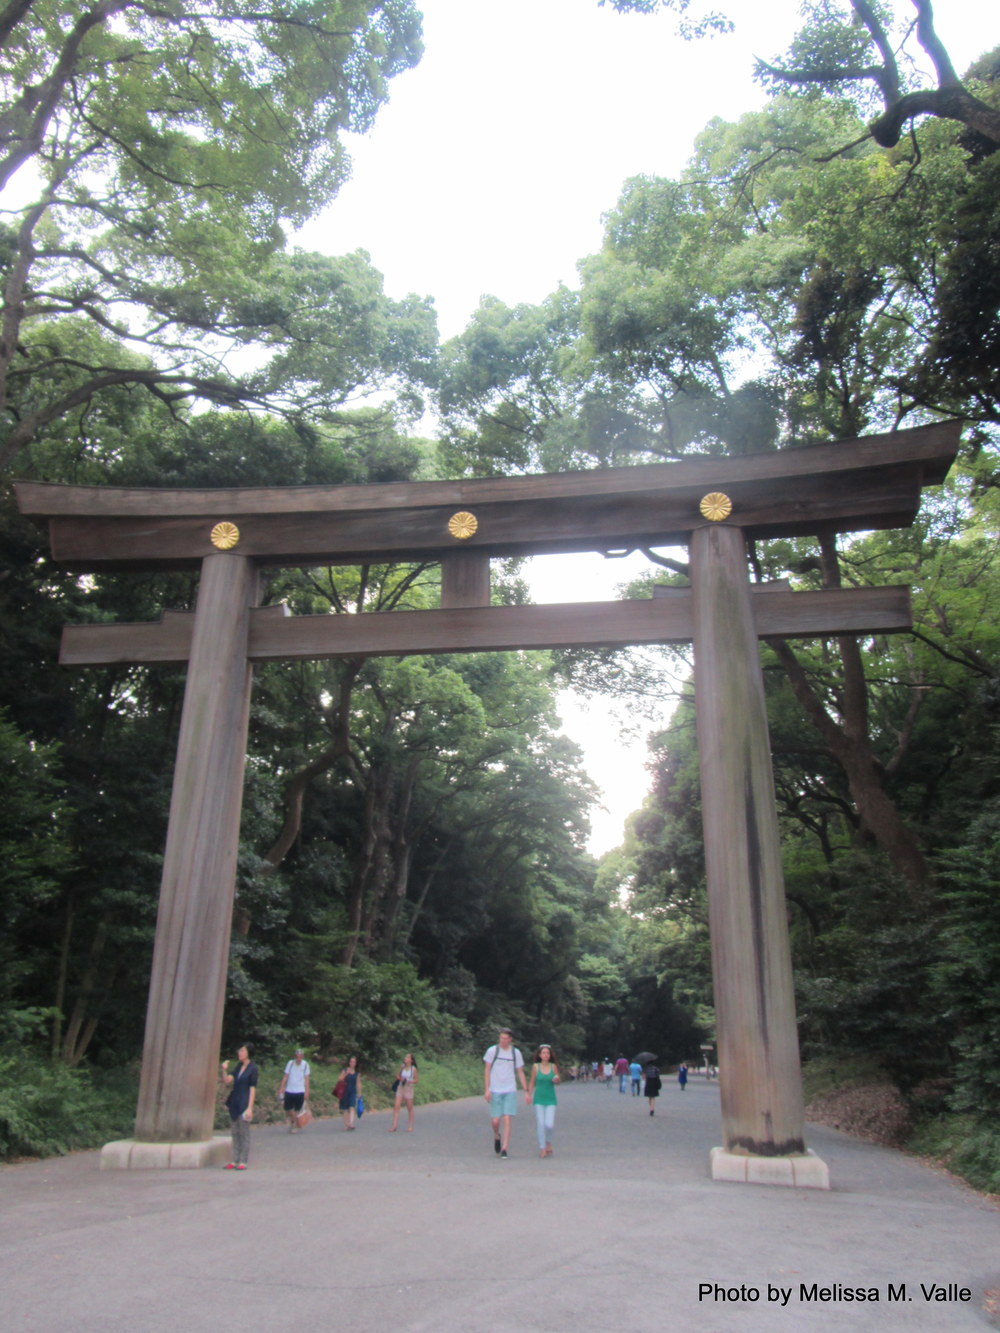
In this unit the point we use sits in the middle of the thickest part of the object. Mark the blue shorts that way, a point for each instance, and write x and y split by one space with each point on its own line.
503 1103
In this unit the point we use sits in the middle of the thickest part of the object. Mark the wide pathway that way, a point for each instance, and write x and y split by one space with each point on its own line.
620 1229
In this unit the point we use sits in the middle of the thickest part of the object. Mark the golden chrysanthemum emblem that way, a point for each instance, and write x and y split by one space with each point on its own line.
716 506
224 536
463 525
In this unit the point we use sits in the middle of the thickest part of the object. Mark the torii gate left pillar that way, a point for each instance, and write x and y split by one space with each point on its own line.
191 954
851 486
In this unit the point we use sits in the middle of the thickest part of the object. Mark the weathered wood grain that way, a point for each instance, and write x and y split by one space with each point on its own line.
191 953
465 579
856 485
931 447
667 619
762 1110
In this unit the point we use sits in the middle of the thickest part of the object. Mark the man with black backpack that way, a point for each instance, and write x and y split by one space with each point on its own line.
503 1065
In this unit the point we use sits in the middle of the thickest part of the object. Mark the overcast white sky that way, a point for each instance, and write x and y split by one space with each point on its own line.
490 168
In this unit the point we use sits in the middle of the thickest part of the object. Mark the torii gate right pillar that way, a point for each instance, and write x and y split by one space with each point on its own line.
760 1077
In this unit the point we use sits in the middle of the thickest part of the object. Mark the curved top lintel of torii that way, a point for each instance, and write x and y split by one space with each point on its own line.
852 485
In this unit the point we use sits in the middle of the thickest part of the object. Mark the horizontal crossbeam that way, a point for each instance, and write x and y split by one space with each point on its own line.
850 486
274 635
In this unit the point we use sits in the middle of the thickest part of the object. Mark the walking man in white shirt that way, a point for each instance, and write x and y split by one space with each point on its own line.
503 1065
294 1089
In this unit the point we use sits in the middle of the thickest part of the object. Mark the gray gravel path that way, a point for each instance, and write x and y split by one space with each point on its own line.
621 1228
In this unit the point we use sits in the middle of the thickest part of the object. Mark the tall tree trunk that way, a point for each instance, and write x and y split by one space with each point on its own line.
849 743
425 889
298 784
81 1026
386 917
62 975
371 856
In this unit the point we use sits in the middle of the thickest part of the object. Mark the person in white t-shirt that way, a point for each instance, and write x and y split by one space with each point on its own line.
503 1065
406 1082
294 1089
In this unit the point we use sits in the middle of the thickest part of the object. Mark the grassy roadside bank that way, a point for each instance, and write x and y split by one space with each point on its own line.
48 1110
441 1079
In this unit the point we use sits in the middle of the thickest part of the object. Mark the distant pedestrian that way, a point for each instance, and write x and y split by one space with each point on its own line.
652 1089
347 1092
242 1084
406 1081
682 1075
621 1069
635 1074
294 1089
608 1070
544 1077
503 1066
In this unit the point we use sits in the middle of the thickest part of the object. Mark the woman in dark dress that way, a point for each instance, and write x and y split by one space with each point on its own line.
652 1088
242 1084
348 1103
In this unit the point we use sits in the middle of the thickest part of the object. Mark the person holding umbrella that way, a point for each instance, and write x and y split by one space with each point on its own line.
651 1073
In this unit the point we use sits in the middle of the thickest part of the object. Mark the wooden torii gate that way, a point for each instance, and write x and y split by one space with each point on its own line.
715 505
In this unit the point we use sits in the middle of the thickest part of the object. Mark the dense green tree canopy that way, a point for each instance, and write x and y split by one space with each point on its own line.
150 158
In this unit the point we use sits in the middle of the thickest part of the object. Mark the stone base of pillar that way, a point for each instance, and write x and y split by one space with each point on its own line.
800 1171
132 1155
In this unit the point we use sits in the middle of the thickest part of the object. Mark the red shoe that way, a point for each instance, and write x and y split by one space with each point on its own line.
241 1166
230 1166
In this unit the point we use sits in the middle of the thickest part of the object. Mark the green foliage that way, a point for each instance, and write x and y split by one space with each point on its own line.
192 99
690 24
447 1078
374 1010
166 152
968 972
34 851
506 385
965 1145
50 1109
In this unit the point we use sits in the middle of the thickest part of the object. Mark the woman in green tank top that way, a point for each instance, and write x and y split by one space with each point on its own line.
542 1092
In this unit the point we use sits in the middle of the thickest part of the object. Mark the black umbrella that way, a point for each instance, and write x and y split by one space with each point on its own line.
644 1058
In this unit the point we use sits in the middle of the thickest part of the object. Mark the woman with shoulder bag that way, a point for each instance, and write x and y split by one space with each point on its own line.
347 1091
405 1084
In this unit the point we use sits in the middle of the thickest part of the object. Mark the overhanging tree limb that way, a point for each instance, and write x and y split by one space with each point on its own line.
950 100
